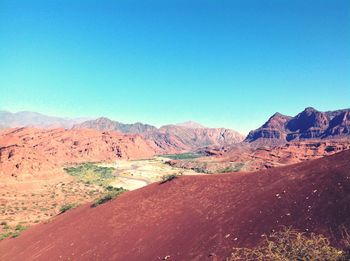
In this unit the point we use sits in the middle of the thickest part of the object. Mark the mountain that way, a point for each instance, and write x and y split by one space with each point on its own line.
191 125
186 136
197 217
309 124
32 151
189 139
34 119
105 124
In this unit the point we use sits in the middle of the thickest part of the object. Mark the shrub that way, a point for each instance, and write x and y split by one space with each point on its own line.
112 193
167 178
20 228
91 173
102 200
66 207
15 234
289 244
345 242
110 188
5 235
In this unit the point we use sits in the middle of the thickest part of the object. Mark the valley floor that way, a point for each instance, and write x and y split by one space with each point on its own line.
32 201
133 174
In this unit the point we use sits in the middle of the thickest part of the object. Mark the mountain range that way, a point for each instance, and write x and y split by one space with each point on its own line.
34 119
187 136
308 124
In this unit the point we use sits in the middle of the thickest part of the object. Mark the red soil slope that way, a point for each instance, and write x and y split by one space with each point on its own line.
31 150
196 217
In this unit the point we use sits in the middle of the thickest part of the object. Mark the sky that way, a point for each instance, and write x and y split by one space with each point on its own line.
223 63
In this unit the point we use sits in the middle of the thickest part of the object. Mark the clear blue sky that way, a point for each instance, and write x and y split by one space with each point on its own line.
222 63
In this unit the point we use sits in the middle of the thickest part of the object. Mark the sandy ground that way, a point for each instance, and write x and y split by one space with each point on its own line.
34 201
134 174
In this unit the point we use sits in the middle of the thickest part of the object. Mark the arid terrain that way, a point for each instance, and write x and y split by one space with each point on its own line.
243 157
174 130
138 173
28 152
35 183
179 182
197 218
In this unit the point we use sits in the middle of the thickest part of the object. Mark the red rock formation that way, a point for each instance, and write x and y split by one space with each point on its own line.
31 150
309 124
252 158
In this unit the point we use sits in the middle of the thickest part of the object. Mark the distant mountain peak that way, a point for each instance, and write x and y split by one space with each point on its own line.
308 124
28 118
191 124
277 114
105 119
310 109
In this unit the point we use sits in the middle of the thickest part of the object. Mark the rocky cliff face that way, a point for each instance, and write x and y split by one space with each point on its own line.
273 129
309 124
339 124
31 150
189 139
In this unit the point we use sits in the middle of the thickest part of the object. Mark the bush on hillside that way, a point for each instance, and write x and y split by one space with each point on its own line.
112 193
66 207
167 178
290 244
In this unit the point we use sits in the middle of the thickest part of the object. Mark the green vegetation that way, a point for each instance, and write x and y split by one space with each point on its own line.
92 174
290 244
167 178
20 228
11 232
201 170
112 193
66 207
6 235
183 156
